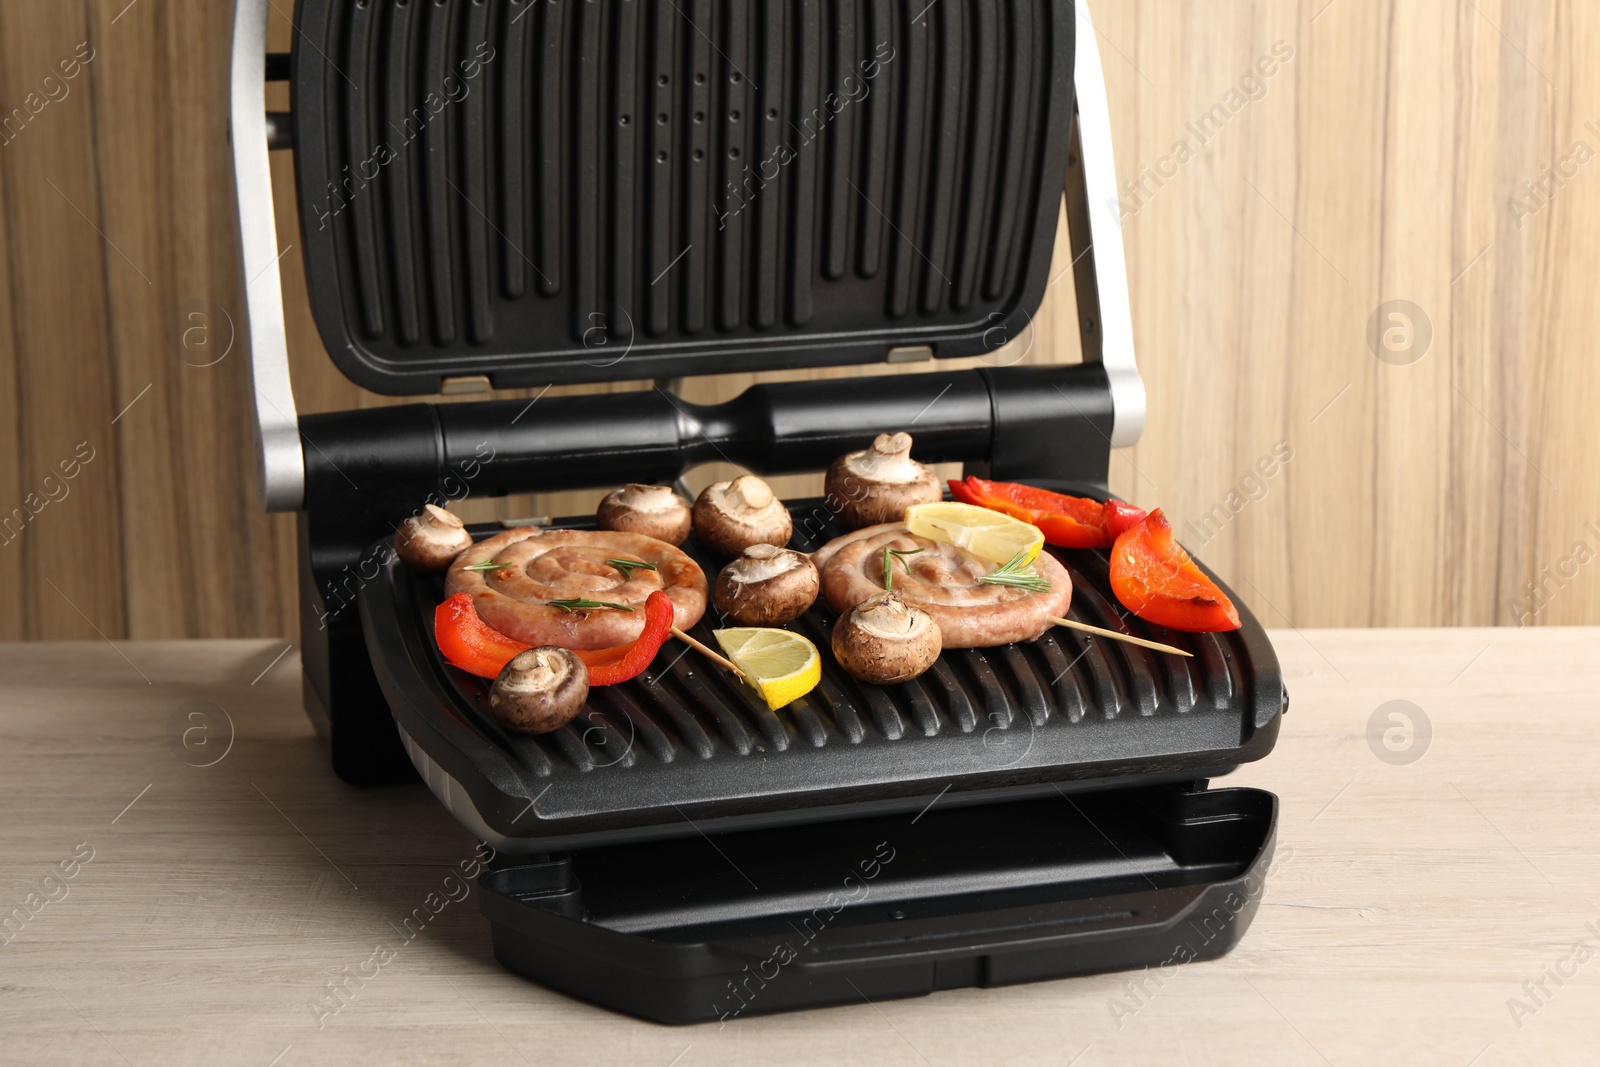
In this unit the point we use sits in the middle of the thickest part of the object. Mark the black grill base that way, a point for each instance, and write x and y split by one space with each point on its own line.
876 909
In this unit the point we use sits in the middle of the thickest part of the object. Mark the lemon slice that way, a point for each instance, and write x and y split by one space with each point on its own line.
986 533
781 664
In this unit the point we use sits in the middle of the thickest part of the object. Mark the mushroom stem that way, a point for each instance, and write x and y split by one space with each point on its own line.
889 459
750 491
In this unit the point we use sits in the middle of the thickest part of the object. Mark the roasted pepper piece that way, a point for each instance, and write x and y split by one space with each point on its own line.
659 614
478 648
470 643
1156 580
1066 521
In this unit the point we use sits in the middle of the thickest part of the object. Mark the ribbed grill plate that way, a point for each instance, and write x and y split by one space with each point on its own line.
687 742
553 191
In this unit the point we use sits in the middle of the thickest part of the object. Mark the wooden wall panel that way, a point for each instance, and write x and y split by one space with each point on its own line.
1294 166
64 379
13 563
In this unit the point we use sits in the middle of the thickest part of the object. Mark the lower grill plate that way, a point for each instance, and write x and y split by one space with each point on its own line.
685 746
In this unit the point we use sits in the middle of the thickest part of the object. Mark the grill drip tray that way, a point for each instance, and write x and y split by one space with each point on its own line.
685 749
869 909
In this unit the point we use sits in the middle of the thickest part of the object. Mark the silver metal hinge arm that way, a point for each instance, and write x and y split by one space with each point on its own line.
1094 223
281 458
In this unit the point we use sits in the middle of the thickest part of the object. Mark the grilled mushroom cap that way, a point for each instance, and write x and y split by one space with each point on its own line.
885 640
877 484
767 586
652 510
731 516
540 690
430 541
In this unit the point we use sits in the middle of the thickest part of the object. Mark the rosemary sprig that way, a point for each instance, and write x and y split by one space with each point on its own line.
578 603
889 556
486 565
1018 573
628 566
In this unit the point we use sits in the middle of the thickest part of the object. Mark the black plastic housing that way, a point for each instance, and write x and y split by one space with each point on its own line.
872 909
581 192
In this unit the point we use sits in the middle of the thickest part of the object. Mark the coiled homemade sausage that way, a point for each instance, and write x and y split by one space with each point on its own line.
942 579
542 565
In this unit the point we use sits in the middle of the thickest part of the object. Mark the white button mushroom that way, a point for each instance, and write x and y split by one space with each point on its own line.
877 484
652 510
431 540
731 516
885 640
767 586
540 690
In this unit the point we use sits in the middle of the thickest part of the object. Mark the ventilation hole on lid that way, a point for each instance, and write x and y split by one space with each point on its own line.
662 80
661 157
699 117
699 79
772 114
733 153
699 155
736 77
661 119
733 116
622 120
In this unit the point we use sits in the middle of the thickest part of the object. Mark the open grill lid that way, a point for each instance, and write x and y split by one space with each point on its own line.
555 192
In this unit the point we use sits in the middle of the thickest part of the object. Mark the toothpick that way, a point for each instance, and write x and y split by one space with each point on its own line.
705 651
1113 635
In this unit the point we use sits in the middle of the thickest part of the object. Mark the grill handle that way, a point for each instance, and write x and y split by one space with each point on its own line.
367 467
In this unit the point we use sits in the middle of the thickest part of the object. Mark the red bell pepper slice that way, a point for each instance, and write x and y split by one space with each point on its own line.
601 656
474 646
1065 521
1120 518
470 643
659 614
1156 580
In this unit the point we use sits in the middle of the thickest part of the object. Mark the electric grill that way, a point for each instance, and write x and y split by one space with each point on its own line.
502 194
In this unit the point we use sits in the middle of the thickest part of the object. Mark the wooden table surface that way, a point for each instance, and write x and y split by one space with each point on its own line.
1419 899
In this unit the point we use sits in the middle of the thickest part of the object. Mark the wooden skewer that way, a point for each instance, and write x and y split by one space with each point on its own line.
704 650
1114 636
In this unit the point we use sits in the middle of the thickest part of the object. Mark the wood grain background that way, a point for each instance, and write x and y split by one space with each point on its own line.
1386 157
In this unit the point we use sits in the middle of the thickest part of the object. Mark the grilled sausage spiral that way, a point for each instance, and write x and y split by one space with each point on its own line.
541 566
942 579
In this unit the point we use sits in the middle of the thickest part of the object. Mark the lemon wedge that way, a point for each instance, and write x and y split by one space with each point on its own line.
986 533
782 665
